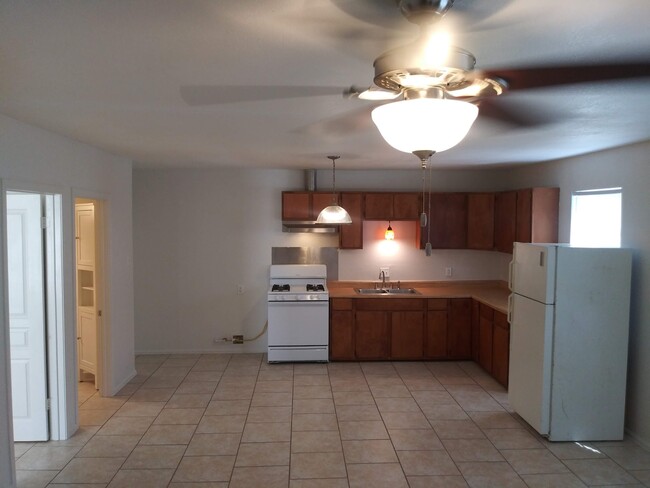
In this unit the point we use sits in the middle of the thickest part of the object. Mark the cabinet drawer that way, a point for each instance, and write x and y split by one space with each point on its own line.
389 304
437 304
341 303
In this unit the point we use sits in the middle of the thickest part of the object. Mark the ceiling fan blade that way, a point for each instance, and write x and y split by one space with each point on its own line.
545 76
355 121
198 95
515 114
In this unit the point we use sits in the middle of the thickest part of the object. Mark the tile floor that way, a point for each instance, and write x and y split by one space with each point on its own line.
233 420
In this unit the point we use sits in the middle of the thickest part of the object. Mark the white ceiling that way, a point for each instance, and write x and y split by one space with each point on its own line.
109 73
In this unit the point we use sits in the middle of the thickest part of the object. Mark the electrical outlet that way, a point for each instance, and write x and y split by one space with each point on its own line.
448 271
240 289
386 270
237 339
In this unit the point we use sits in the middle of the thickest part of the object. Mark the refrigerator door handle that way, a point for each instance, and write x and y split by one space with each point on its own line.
510 308
510 276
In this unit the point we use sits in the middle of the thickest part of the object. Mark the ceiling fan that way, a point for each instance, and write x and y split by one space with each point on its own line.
421 70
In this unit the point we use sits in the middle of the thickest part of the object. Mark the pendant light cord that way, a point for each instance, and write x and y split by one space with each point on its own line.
334 158
429 223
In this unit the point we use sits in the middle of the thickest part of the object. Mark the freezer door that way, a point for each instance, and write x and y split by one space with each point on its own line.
533 271
529 386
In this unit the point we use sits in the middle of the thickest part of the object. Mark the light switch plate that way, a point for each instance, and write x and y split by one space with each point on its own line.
386 270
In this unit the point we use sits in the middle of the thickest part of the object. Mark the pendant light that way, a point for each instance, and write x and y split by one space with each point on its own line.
389 235
334 214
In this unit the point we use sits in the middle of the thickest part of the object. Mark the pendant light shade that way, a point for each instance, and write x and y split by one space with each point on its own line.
432 124
389 235
334 214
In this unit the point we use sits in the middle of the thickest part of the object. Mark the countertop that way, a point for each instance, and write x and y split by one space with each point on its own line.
492 293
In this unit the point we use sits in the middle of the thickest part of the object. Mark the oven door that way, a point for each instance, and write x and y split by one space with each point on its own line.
299 323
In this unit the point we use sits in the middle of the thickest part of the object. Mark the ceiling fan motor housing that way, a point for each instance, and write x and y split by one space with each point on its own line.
424 12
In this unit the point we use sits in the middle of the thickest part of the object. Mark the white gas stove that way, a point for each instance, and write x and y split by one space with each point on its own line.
298 312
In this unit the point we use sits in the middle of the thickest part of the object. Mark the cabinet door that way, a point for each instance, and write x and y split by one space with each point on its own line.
296 205
371 335
480 221
523 230
407 335
406 206
436 340
459 331
341 334
505 222
351 235
476 320
378 206
85 229
485 337
320 200
87 341
544 214
448 221
500 348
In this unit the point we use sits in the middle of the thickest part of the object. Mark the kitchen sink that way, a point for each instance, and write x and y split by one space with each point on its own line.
387 291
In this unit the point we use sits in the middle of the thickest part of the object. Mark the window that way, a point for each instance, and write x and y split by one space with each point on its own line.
596 218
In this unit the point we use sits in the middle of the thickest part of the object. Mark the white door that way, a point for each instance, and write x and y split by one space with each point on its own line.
529 382
27 317
533 273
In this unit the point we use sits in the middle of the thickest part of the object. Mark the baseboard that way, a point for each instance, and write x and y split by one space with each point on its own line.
225 349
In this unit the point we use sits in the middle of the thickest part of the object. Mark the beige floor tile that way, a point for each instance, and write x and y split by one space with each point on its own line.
103 403
317 465
489 475
313 421
263 454
512 439
642 475
94 417
415 440
47 457
423 384
599 472
353 398
152 395
284 386
272 400
421 463
312 380
154 457
269 414
574 450
405 420
473 398
322 483
567 480
313 405
213 445
211 377
205 468
267 432
309 368
329 441
449 411
433 397
178 416
21 448
140 409
228 407
363 430
457 429
390 391
629 457
349 385
467 450
437 482
495 420
168 434
357 412
221 424
192 400
89 470
162 382
79 438
128 390
388 405
34 479
126 426
142 478
312 392
375 451
534 461
189 387
109 446
275 375
254 477
376 476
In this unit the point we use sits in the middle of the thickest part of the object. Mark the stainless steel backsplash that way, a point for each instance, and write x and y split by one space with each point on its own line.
328 256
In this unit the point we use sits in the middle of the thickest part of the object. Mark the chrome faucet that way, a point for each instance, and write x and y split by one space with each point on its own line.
382 275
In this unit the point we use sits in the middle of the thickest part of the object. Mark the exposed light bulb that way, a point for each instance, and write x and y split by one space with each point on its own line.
389 235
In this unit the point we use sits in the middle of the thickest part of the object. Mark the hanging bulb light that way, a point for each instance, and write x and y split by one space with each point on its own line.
389 235
334 214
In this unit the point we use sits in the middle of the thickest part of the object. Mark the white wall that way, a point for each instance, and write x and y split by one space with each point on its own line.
629 168
32 158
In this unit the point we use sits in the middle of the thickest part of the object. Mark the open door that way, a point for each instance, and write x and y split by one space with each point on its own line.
27 316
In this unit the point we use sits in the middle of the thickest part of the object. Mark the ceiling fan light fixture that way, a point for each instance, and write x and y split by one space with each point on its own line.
424 123
376 93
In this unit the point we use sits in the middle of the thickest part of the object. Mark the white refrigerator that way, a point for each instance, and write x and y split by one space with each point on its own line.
569 327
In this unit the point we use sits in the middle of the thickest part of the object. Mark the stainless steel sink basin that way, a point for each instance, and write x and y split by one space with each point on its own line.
387 291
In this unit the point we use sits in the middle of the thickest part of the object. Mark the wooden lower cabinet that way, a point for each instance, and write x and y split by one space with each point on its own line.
500 348
486 317
459 333
407 335
491 341
371 334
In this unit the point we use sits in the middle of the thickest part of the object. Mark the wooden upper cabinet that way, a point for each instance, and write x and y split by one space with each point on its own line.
305 205
448 221
545 209
505 220
391 206
351 235
480 221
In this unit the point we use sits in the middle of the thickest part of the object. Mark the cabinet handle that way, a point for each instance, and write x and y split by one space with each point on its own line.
510 309
510 277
